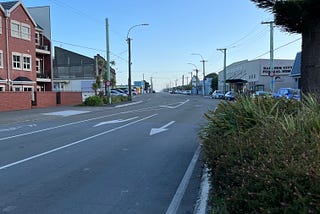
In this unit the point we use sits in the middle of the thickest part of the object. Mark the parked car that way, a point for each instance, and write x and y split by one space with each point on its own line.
116 92
230 95
186 92
288 93
217 94
261 94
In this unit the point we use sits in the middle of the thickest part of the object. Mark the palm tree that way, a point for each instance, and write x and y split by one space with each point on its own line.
301 16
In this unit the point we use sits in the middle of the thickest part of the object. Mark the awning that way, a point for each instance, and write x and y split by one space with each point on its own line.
236 81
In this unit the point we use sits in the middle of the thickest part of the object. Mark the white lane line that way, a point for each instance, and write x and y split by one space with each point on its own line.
175 203
83 121
64 125
72 144
128 104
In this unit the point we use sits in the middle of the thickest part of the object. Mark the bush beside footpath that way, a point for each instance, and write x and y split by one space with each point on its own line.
263 156
101 100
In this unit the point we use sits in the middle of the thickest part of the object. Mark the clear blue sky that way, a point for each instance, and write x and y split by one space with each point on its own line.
176 29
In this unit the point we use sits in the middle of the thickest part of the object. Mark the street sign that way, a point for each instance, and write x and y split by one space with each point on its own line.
108 83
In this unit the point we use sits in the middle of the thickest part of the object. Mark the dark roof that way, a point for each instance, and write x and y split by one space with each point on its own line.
22 79
296 69
8 5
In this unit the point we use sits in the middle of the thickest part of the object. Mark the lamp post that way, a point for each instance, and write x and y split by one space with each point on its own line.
204 73
196 69
129 59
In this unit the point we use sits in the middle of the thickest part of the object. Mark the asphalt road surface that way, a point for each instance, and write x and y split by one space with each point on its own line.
141 157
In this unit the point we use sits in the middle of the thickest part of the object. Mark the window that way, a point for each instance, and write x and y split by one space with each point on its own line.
2 88
16 61
38 66
0 25
17 88
1 59
27 62
15 29
37 38
25 32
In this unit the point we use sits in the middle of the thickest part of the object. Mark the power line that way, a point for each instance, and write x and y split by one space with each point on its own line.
278 48
90 48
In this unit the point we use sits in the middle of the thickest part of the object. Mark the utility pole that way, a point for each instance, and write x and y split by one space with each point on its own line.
204 76
224 50
197 80
108 82
182 80
272 73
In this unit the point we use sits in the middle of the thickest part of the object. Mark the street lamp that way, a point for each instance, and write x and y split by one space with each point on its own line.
129 58
196 69
204 73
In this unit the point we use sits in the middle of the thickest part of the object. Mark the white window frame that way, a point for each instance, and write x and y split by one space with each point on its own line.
37 38
1 59
15 62
0 25
38 65
26 66
27 88
15 32
25 35
2 88
17 88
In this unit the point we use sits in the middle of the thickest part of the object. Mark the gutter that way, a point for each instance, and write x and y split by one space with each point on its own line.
7 47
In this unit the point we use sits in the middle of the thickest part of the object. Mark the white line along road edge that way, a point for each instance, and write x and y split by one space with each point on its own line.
175 203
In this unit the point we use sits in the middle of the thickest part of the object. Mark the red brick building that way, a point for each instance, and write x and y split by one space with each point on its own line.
25 53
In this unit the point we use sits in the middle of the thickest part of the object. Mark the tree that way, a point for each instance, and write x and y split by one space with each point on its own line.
301 16
214 81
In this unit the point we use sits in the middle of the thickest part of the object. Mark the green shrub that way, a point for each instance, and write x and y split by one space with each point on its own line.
264 156
93 101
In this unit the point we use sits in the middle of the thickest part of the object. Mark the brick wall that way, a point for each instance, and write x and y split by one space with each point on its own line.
69 98
11 101
45 99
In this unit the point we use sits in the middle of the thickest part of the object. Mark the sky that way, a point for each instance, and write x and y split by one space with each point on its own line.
180 33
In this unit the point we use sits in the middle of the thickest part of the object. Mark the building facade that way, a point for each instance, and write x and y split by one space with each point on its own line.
21 50
255 75
75 72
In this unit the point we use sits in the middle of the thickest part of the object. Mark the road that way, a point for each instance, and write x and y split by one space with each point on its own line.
142 157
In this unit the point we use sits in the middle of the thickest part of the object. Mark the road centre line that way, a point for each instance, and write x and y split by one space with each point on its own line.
74 143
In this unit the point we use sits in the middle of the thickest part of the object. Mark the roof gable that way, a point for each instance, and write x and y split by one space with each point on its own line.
12 5
8 5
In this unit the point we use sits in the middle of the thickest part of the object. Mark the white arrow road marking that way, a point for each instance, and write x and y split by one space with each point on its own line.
114 121
16 128
161 129
174 107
